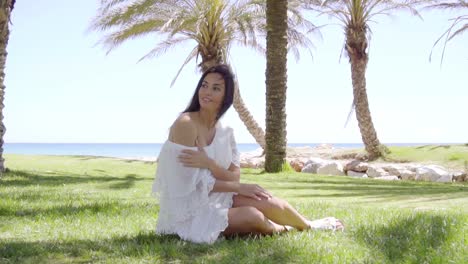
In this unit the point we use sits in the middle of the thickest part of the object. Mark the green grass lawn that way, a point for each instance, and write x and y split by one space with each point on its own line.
454 156
88 209
451 156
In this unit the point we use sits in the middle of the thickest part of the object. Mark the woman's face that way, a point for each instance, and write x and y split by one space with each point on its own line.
211 93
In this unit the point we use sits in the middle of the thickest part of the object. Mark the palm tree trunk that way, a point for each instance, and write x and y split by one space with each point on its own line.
5 11
252 126
363 115
276 78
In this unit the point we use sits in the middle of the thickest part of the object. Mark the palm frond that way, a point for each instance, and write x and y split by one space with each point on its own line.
355 15
164 46
255 46
298 39
181 21
350 113
452 30
192 54
136 30
298 26
449 35
460 30
115 15
213 24
450 5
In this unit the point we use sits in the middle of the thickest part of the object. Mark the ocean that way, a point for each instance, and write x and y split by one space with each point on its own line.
140 150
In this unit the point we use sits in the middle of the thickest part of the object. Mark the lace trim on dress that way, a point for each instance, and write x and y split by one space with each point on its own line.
205 227
235 152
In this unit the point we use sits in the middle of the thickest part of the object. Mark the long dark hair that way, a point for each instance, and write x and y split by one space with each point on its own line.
228 77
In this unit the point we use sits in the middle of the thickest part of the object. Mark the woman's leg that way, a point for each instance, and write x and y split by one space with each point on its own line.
275 209
249 220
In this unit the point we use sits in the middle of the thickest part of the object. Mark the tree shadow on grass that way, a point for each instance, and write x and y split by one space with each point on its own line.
423 146
68 209
404 193
164 249
441 146
23 178
417 239
87 157
125 183
375 188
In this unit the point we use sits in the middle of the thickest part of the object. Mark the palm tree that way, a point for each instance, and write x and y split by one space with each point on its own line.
214 25
459 24
6 6
276 78
355 16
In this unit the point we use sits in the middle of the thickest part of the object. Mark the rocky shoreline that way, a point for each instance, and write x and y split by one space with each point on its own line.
328 160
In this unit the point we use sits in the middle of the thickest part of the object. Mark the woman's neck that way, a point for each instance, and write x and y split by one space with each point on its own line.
207 119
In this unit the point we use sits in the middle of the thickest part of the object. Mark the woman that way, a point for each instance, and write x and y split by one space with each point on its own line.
197 178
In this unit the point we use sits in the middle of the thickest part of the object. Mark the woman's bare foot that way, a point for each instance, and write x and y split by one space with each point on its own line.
327 223
280 228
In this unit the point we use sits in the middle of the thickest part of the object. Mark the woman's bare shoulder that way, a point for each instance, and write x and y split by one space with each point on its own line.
184 130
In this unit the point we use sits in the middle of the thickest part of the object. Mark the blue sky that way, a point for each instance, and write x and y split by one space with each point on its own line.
61 87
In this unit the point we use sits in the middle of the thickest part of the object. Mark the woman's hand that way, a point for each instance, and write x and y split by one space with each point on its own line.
254 191
195 158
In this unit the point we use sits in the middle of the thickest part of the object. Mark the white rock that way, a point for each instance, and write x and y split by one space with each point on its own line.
393 170
315 161
406 174
433 173
252 162
376 172
310 168
313 164
412 167
356 174
357 166
331 168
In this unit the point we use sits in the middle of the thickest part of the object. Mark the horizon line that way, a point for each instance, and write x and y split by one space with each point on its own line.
236 143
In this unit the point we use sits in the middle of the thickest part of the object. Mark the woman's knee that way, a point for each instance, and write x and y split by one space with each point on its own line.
272 204
264 205
253 217
279 203
247 219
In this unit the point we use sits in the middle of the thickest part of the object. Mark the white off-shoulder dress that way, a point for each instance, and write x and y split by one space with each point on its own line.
187 207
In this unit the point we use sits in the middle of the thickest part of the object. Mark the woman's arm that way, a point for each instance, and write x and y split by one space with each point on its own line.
199 159
250 190
231 174
226 186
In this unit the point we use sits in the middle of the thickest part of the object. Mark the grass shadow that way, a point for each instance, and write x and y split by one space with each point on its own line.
417 239
377 189
166 249
441 146
23 178
125 183
86 157
64 210
422 146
